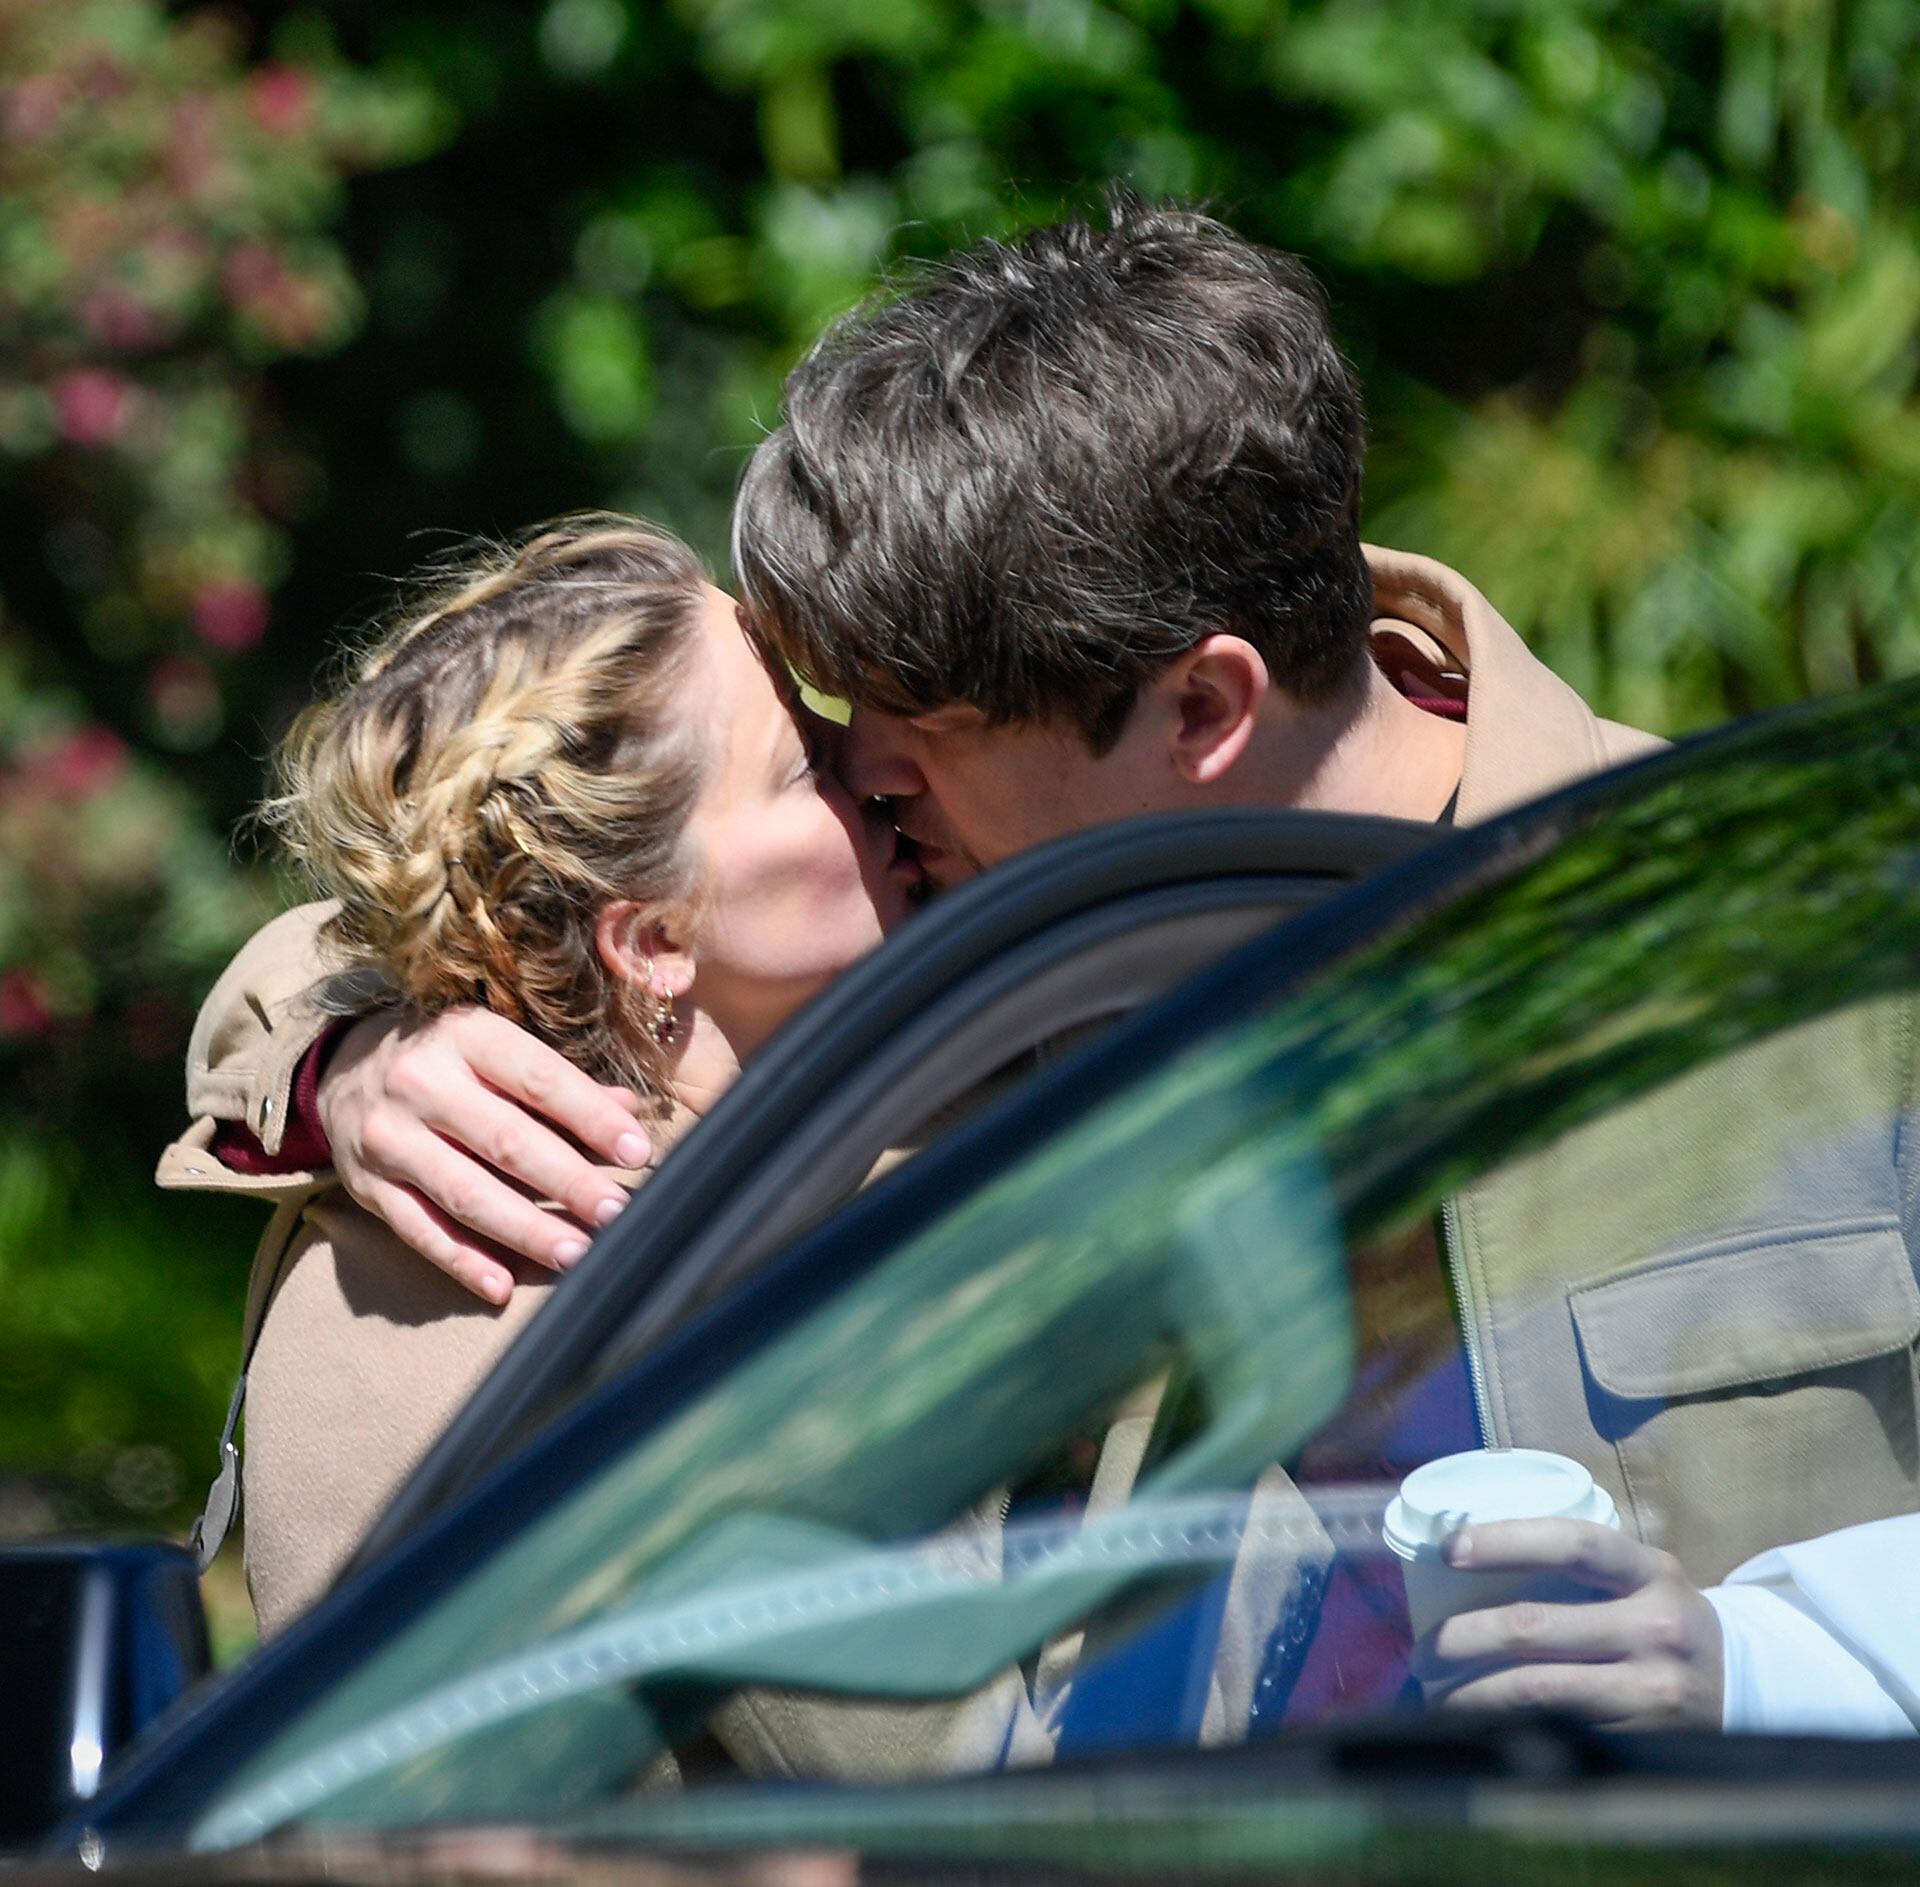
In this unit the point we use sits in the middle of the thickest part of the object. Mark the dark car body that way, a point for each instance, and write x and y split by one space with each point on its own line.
1456 1009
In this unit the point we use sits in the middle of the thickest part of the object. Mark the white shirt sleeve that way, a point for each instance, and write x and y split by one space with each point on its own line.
1823 1638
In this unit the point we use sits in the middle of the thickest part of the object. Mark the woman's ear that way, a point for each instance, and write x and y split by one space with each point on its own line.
640 949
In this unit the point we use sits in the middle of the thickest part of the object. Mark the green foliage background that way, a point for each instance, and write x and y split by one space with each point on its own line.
1633 288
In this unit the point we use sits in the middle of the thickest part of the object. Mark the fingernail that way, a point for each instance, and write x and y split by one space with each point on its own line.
631 1150
608 1210
496 1290
570 1252
1459 1547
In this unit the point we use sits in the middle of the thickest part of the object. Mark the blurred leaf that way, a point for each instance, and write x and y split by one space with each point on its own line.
595 348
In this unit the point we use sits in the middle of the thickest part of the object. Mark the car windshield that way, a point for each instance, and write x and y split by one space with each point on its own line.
1603 1154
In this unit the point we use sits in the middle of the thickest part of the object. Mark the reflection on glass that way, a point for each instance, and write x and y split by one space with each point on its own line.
1587 1158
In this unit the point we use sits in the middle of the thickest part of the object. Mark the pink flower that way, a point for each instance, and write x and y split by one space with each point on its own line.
34 106
24 1008
104 79
281 99
91 404
292 310
185 697
82 764
253 269
231 615
116 319
177 245
191 158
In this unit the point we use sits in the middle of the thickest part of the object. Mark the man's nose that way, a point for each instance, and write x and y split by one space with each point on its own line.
872 758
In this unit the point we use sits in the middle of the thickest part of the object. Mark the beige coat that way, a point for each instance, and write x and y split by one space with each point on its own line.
1717 1317
366 1352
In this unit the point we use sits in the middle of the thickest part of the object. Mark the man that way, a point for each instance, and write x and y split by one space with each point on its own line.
1074 526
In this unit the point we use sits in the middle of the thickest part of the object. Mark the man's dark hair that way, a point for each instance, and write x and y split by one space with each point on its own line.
1051 466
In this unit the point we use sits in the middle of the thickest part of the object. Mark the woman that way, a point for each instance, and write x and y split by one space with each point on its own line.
565 788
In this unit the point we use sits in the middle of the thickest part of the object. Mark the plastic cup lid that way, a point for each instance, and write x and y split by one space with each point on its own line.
1490 1484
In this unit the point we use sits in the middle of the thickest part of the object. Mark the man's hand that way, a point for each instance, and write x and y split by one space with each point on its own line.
425 1118
1643 1652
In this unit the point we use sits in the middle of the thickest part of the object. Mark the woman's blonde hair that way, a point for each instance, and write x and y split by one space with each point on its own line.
508 759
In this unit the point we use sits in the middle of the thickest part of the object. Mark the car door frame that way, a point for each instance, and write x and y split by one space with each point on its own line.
831 1066
154 1792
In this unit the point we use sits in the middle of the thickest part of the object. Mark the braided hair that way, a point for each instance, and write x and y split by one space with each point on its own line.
511 756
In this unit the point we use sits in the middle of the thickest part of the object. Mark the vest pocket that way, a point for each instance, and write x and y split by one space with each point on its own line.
1758 1390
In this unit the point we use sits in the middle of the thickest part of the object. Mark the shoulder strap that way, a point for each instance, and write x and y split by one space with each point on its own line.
209 1532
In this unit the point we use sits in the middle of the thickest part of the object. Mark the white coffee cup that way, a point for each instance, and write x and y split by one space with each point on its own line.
1484 1484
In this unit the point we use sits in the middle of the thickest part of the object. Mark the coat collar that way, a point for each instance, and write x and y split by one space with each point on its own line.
1527 731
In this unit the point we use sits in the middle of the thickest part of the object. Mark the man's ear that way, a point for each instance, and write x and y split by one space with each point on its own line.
1214 694
640 948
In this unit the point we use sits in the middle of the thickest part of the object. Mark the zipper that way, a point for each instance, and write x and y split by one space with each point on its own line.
1463 1316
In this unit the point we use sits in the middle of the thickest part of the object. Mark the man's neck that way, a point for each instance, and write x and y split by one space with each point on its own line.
1378 754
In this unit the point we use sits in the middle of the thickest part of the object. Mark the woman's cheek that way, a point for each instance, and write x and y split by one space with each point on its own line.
838 859
845 893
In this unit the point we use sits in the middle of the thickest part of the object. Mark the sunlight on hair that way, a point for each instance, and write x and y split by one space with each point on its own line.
513 756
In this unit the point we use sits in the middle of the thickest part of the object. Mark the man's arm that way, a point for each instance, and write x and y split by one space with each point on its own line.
1822 1643
447 1128
450 1127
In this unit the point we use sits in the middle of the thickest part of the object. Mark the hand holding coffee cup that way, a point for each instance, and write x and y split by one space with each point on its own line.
1472 1489
1525 1593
